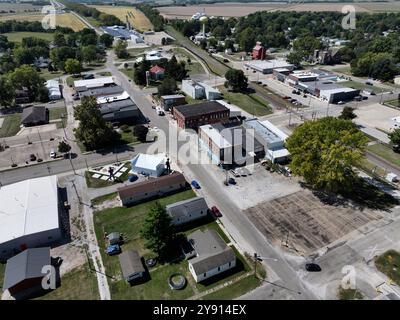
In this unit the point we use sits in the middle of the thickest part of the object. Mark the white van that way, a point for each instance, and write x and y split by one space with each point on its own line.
53 154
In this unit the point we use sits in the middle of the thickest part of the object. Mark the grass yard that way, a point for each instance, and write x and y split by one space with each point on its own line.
129 222
135 16
128 137
235 290
78 284
18 36
345 70
393 103
98 183
128 73
70 80
47 75
55 113
349 294
371 168
194 67
251 103
10 126
104 198
385 152
360 86
389 264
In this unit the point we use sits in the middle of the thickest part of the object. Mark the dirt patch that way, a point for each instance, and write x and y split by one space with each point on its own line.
301 222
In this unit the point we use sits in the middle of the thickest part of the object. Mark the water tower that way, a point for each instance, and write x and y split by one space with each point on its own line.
203 21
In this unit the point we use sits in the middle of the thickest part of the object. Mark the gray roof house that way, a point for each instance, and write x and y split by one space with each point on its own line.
187 210
131 265
213 255
33 116
24 271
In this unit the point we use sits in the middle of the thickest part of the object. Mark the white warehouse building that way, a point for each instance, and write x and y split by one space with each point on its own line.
54 89
200 90
29 215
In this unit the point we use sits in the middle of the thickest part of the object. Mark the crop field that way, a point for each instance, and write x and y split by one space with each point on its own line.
62 20
239 10
135 16
18 7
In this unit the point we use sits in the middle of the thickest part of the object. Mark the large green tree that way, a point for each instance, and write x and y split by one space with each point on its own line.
157 229
93 131
7 92
394 137
167 86
236 80
120 49
324 153
27 77
73 66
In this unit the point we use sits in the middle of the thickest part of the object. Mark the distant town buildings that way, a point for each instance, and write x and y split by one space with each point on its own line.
259 51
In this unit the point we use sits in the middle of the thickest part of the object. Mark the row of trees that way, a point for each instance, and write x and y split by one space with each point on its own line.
153 15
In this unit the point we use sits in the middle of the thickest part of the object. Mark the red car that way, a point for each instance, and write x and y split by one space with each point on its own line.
215 211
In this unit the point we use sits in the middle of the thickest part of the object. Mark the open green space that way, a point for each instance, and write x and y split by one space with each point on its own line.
70 80
360 86
344 69
251 103
389 264
18 36
128 137
104 198
385 152
47 75
349 294
55 113
98 183
11 125
393 103
78 284
194 67
128 72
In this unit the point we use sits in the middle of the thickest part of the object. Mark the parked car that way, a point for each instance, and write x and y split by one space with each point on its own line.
226 60
234 173
195 184
286 97
53 154
231 181
113 249
340 102
294 91
215 211
88 76
313 267
32 157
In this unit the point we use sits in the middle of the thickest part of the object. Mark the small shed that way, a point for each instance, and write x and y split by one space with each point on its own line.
114 238
131 265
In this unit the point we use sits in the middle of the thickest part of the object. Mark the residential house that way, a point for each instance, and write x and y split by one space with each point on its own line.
213 256
34 116
54 89
151 188
185 211
157 73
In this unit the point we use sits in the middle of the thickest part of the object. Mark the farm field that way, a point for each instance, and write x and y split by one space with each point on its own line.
18 36
6 8
62 20
240 10
136 17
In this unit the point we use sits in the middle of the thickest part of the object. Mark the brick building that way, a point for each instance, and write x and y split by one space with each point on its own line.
259 51
196 115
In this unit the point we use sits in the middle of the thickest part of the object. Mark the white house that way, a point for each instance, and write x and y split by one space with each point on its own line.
29 215
187 210
54 89
148 164
213 256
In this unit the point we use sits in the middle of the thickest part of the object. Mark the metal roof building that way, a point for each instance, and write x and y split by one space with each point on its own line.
84 85
29 215
24 271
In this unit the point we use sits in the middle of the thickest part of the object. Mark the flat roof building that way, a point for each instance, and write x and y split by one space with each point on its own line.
328 90
267 66
29 215
84 85
195 115
120 111
102 92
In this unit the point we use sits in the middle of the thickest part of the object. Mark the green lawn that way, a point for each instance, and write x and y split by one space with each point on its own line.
128 72
55 113
345 70
104 198
11 125
385 152
251 103
128 137
389 264
194 68
235 290
394 103
18 36
98 183
104 74
371 168
360 86
78 284
47 75
349 294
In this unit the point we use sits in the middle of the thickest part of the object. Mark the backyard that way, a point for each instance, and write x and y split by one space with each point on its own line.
10 126
250 103
78 284
129 221
55 113
389 264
